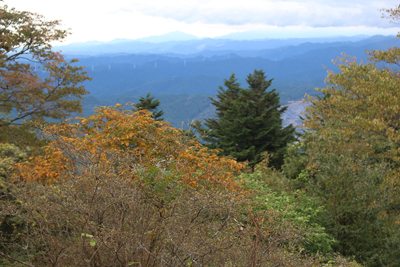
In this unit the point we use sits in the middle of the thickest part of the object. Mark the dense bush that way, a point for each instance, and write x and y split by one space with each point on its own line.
120 189
103 218
272 190
94 140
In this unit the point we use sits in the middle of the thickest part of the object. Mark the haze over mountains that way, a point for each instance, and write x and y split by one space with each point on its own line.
183 70
182 43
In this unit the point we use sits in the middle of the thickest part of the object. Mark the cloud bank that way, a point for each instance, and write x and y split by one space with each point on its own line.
105 21
314 13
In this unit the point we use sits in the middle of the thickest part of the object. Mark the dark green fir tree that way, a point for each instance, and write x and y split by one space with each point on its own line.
248 121
151 105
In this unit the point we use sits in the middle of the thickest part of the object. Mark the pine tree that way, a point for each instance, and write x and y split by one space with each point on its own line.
248 121
151 105
225 97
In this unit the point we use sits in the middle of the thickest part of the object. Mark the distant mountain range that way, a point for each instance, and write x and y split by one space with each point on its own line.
182 43
267 33
182 74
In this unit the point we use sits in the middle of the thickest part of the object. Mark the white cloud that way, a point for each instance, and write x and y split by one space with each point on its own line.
315 13
107 20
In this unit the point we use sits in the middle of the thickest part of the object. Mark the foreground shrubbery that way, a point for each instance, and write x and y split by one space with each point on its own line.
94 141
273 190
102 218
120 189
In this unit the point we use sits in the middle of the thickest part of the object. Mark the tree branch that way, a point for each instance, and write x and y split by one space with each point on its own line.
17 260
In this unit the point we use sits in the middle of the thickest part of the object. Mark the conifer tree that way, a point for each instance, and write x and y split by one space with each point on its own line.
248 121
151 105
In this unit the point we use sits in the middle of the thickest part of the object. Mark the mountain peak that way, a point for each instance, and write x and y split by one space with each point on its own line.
171 36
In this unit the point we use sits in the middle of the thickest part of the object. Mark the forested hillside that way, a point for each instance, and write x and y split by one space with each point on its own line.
296 69
121 185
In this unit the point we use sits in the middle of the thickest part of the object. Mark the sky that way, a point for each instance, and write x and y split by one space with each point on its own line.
107 20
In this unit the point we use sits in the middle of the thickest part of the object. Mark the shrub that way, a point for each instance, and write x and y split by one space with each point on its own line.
270 188
119 188
102 217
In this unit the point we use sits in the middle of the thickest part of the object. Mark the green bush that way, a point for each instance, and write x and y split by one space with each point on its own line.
297 207
103 217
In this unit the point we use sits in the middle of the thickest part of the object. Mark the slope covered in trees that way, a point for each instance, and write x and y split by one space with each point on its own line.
296 69
119 188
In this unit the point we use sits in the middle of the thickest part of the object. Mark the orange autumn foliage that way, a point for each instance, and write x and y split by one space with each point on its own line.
113 133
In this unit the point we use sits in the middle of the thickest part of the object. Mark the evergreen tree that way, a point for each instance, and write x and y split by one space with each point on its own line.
248 121
151 105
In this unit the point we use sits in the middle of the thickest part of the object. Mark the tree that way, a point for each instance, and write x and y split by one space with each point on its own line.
35 82
92 141
151 105
248 121
354 153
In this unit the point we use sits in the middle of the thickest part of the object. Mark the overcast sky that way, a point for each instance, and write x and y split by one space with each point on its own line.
105 20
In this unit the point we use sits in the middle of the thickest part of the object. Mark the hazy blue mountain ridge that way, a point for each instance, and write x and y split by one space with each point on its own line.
265 34
191 46
183 82
289 71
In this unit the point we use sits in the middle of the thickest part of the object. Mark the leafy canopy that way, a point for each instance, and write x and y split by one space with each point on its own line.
93 140
35 82
354 162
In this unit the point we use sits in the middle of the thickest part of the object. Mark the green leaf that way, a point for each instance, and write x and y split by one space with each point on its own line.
87 235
